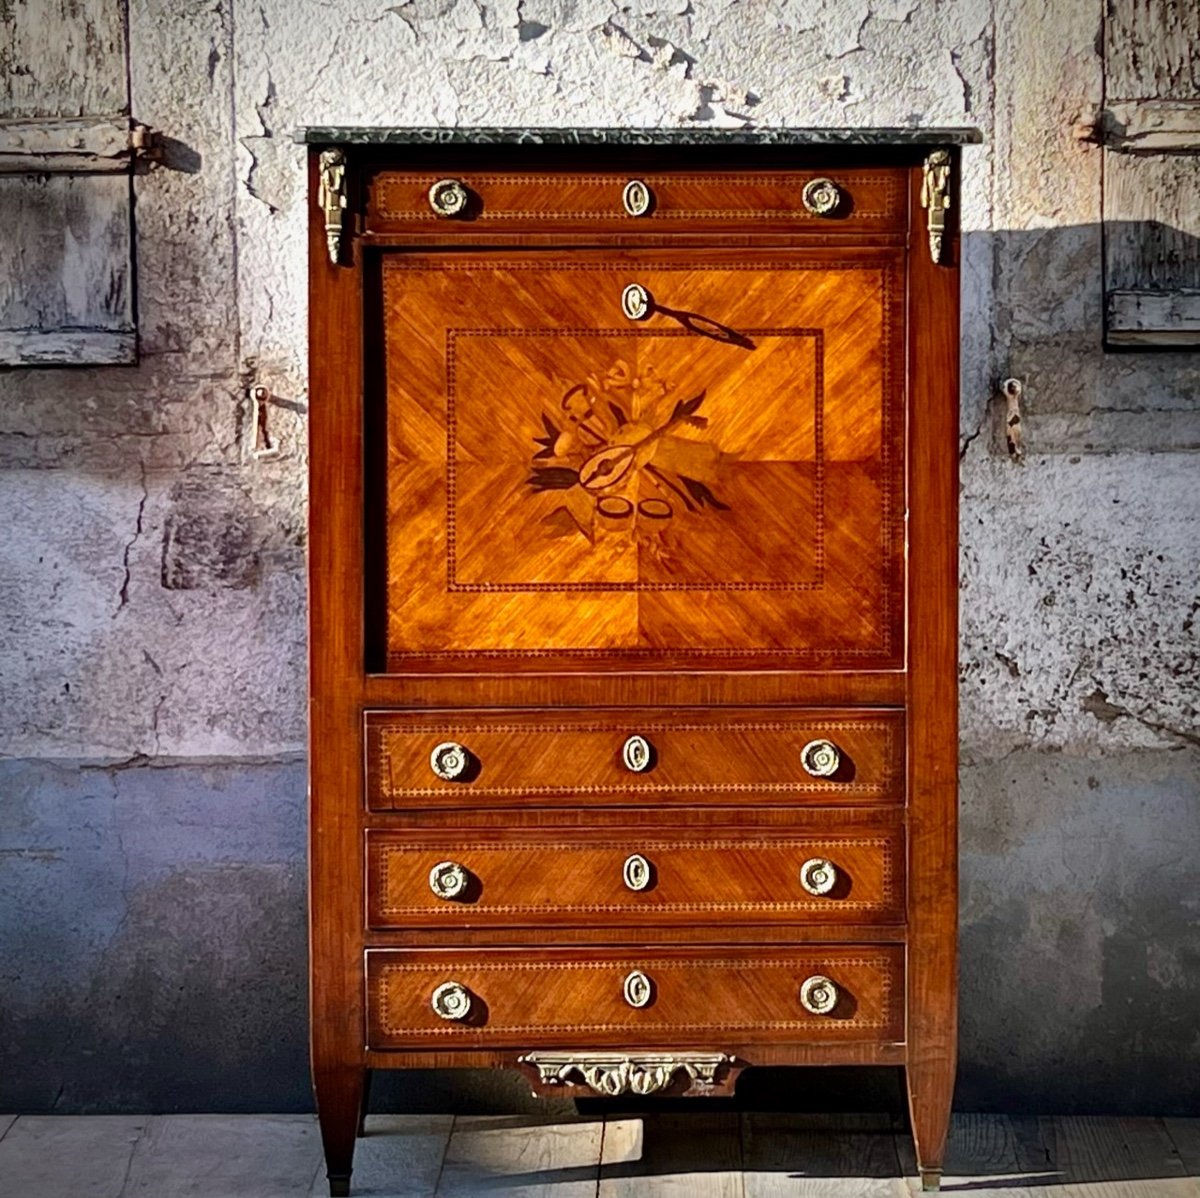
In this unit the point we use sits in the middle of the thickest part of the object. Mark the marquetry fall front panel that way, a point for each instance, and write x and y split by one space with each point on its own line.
722 480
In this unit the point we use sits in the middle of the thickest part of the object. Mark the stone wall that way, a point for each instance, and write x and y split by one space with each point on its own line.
152 637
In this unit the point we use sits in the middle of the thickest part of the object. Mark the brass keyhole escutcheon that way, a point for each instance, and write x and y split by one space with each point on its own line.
448 197
636 754
636 302
818 995
636 872
637 197
638 989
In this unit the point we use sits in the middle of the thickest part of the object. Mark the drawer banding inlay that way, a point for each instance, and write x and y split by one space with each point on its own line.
391 775
642 902
736 972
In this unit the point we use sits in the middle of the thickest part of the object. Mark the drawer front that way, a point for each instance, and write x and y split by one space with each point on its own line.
458 880
733 757
863 201
515 1000
703 472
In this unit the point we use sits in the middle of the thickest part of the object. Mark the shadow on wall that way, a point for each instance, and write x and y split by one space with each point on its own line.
152 917
1100 323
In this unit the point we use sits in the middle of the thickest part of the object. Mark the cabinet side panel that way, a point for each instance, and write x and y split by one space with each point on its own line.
335 557
932 674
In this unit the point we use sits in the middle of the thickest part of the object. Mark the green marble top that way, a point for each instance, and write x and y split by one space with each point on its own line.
384 135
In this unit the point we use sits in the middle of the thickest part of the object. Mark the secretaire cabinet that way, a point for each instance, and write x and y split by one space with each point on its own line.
633 609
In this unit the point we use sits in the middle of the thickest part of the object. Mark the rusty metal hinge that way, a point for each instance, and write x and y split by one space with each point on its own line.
144 144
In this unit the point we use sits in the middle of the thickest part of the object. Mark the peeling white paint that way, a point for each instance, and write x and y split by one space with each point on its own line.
222 304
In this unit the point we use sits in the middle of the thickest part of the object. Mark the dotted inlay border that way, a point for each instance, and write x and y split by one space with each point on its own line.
391 211
809 845
385 735
883 964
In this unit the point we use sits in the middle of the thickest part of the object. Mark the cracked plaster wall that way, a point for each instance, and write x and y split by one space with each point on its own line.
151 569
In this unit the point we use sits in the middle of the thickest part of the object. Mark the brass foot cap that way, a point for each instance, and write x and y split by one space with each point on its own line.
931 1181
339 1187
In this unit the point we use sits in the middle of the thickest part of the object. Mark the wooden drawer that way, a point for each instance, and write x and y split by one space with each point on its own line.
868 200
732 756
518 999
496 877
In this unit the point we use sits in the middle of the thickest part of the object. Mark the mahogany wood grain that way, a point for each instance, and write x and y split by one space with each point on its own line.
661 688
849 1052
637 819
551 934
335 557
554 998
731 756
732 236
932 697
540 878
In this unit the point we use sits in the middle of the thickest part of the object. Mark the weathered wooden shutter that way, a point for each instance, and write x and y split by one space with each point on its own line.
1152 173
66 149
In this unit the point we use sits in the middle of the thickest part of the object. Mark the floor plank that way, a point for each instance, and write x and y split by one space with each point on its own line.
987 1156
807 1156
225 1156
1112 1157
520 1155
1185 1135
1034 1143
69 1156
684 1155
399 1157
983 1158
680 1155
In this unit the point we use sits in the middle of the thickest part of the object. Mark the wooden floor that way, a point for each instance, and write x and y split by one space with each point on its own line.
685 1156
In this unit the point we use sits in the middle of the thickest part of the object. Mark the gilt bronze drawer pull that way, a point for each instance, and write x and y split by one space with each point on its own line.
449 761
448 197
451 1000
447 879
818 995
820 758
821 197
818 876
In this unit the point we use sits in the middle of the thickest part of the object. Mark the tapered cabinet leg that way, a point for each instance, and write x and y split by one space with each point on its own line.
365 1102
930 1091
339 1094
